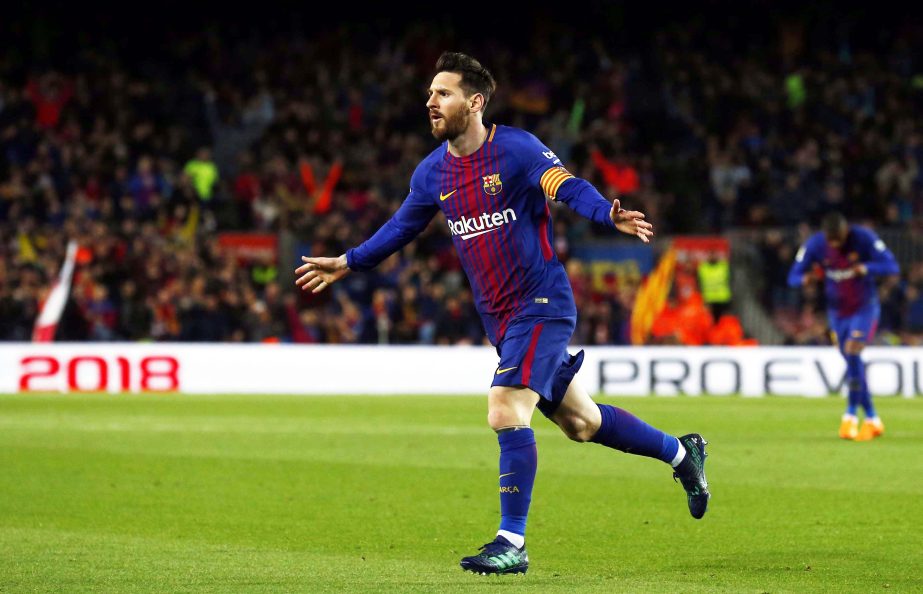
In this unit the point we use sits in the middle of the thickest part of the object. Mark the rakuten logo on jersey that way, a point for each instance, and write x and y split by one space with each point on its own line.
839 276
469 227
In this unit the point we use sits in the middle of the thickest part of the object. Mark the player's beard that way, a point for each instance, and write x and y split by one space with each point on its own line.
453 125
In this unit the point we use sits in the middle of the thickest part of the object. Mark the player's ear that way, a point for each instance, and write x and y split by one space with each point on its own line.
476 102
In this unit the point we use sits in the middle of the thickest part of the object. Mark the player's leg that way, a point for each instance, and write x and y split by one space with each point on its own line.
872 426
509 414
582 419
862 330
531 352
849 422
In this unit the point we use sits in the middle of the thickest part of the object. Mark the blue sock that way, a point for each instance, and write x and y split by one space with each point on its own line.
855 380
865 399
518 462
623 431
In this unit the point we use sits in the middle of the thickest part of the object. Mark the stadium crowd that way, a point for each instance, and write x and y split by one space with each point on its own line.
145 164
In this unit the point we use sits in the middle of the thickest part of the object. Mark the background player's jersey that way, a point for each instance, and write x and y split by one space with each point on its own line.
495 206
847 291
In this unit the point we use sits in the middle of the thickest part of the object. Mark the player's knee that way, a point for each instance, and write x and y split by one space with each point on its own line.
500 417
576 428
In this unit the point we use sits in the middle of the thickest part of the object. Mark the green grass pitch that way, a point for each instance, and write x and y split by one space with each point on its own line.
352 494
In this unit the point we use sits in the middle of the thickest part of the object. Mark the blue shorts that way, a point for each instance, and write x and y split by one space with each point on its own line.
860 326
533 353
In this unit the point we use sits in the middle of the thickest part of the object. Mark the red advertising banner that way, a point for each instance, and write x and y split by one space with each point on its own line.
250 247
694 249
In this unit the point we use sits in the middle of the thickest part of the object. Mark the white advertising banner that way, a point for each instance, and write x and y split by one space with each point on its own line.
309 369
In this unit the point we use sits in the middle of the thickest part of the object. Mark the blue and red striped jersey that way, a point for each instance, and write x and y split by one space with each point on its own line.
847 291
495 206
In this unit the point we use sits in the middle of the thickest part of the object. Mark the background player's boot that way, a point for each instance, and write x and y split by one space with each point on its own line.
691 473
499 556
871 428
849 427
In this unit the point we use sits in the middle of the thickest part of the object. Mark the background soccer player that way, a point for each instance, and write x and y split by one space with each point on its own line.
491 183
850 257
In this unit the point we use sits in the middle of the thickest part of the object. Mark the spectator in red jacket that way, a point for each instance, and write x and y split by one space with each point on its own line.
49 94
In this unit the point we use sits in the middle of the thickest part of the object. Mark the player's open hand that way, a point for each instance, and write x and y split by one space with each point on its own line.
631 222
316 274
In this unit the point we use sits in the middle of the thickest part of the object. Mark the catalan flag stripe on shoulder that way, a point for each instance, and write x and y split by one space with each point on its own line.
552 180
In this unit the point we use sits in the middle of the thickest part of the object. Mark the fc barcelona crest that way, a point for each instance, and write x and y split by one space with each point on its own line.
492 184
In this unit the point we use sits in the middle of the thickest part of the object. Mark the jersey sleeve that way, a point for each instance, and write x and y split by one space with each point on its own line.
878 259
544 170
805 259
410 220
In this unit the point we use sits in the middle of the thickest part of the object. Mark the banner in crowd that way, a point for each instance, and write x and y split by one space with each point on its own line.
639 256
696 248
612 267
250 247
310 369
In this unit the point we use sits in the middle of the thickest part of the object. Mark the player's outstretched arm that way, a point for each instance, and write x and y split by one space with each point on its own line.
316 274
631 222
585 200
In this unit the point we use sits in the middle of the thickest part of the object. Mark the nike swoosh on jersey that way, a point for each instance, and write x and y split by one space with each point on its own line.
445 196
499 371
507 474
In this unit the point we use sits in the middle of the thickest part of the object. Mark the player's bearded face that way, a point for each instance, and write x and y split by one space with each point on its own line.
448 107
452 124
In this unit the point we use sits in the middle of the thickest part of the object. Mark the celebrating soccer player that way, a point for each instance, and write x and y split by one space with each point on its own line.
492 183
850 257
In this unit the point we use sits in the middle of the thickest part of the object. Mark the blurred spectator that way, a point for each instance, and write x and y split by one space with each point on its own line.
914 321
236 127
203 173
685 320
456 324
49 94
714 274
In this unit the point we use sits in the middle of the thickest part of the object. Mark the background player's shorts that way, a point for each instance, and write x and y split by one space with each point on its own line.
860 326
533 353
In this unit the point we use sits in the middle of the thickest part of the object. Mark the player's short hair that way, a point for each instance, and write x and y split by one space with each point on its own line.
474 77
834 224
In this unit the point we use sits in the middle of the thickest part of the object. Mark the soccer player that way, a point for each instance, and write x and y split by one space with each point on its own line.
850 257
491 183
